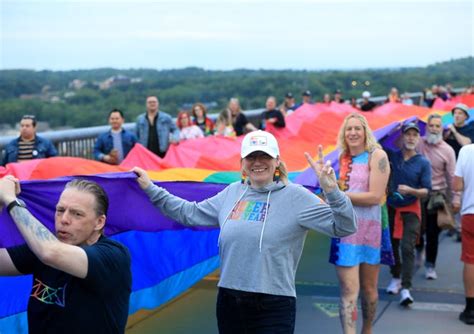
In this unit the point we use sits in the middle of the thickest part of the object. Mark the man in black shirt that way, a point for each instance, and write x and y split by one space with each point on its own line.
156 130
338 96
81 279
460 133
272 115
239 121
366 104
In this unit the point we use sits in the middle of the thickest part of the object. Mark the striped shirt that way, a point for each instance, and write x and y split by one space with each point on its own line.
25 150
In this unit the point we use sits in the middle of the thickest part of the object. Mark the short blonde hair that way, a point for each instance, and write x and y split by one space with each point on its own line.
370 141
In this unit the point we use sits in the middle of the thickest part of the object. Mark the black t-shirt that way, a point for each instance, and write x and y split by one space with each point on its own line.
267 114
62 303
466 131
153 140
240 122
368 106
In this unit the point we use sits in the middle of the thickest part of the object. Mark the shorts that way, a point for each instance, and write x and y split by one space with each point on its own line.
467 238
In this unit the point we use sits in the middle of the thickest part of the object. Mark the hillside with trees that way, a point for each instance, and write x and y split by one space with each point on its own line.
82 98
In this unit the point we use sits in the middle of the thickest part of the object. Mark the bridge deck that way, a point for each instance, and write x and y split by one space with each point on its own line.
436 308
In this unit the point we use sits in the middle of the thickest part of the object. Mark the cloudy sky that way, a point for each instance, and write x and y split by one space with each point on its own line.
229 34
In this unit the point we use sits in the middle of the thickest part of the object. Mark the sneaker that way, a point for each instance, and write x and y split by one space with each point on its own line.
430 273
394 287
405 297
467 317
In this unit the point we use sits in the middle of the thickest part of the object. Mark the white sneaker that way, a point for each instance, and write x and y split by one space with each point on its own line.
394 287
405 297
431 273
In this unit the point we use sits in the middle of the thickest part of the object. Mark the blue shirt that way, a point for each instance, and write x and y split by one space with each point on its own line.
414 172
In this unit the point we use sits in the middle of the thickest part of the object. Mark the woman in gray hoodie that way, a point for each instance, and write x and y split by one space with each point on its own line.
264 221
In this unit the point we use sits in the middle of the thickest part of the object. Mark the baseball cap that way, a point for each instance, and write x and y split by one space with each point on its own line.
366 94
337 91
461 106
289 95
410 125
259 141
306 93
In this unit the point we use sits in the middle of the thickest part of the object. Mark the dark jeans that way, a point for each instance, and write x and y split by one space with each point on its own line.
240 312
432 235
411 230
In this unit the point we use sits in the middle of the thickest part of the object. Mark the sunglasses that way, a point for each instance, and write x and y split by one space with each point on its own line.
258 154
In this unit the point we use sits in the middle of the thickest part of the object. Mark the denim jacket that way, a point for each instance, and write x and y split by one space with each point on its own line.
105 143
165 128
43 149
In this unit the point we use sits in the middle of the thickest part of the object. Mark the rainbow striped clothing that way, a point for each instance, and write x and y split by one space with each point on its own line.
371 243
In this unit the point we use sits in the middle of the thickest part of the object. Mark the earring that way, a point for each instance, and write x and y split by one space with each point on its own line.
244 176
276 175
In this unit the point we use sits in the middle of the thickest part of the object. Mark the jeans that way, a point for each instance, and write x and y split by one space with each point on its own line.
432 237
411 230
240 312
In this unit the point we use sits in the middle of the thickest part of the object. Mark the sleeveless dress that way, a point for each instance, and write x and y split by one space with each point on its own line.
371 243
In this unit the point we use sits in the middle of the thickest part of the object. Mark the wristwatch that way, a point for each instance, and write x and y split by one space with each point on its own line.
16 202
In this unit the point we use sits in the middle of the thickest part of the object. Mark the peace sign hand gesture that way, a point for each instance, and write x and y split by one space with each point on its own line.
324 171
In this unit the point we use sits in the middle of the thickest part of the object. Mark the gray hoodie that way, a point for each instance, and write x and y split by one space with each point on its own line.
262 230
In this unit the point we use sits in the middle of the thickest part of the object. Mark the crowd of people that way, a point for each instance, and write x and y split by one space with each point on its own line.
156 130
263 219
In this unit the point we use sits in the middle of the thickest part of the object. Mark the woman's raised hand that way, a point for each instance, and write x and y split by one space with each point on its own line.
324 171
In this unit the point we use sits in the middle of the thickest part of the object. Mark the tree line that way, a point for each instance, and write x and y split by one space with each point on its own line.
47 94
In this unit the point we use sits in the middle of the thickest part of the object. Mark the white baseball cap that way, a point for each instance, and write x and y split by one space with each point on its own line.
366 94
259 141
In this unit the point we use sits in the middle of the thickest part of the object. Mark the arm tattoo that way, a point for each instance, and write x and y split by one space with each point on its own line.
383 163
23 217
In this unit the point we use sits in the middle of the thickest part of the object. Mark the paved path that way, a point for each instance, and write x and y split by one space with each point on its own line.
436 308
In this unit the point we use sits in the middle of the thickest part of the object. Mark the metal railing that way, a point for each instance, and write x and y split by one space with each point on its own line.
80 142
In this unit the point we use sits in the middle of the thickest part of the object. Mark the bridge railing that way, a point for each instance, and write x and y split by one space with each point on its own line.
80 142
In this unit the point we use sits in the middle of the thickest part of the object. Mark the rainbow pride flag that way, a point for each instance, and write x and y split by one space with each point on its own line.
167 258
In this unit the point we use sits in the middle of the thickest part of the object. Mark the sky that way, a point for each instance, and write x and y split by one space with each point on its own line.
231 34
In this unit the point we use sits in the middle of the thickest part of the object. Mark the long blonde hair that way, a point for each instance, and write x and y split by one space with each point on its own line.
370 141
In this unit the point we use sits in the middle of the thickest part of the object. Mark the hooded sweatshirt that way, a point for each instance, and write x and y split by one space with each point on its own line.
262 230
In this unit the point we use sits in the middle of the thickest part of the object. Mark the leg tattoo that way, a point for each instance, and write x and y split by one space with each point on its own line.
348 315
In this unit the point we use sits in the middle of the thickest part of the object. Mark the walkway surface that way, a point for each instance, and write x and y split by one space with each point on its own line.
436 308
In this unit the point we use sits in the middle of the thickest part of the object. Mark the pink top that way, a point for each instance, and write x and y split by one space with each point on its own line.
443 162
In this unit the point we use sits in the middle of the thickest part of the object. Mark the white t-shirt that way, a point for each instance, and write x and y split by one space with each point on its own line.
465 169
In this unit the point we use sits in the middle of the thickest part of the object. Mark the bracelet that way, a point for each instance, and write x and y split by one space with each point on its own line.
16 202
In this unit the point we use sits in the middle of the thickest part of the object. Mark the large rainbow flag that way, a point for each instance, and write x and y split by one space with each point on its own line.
167 258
